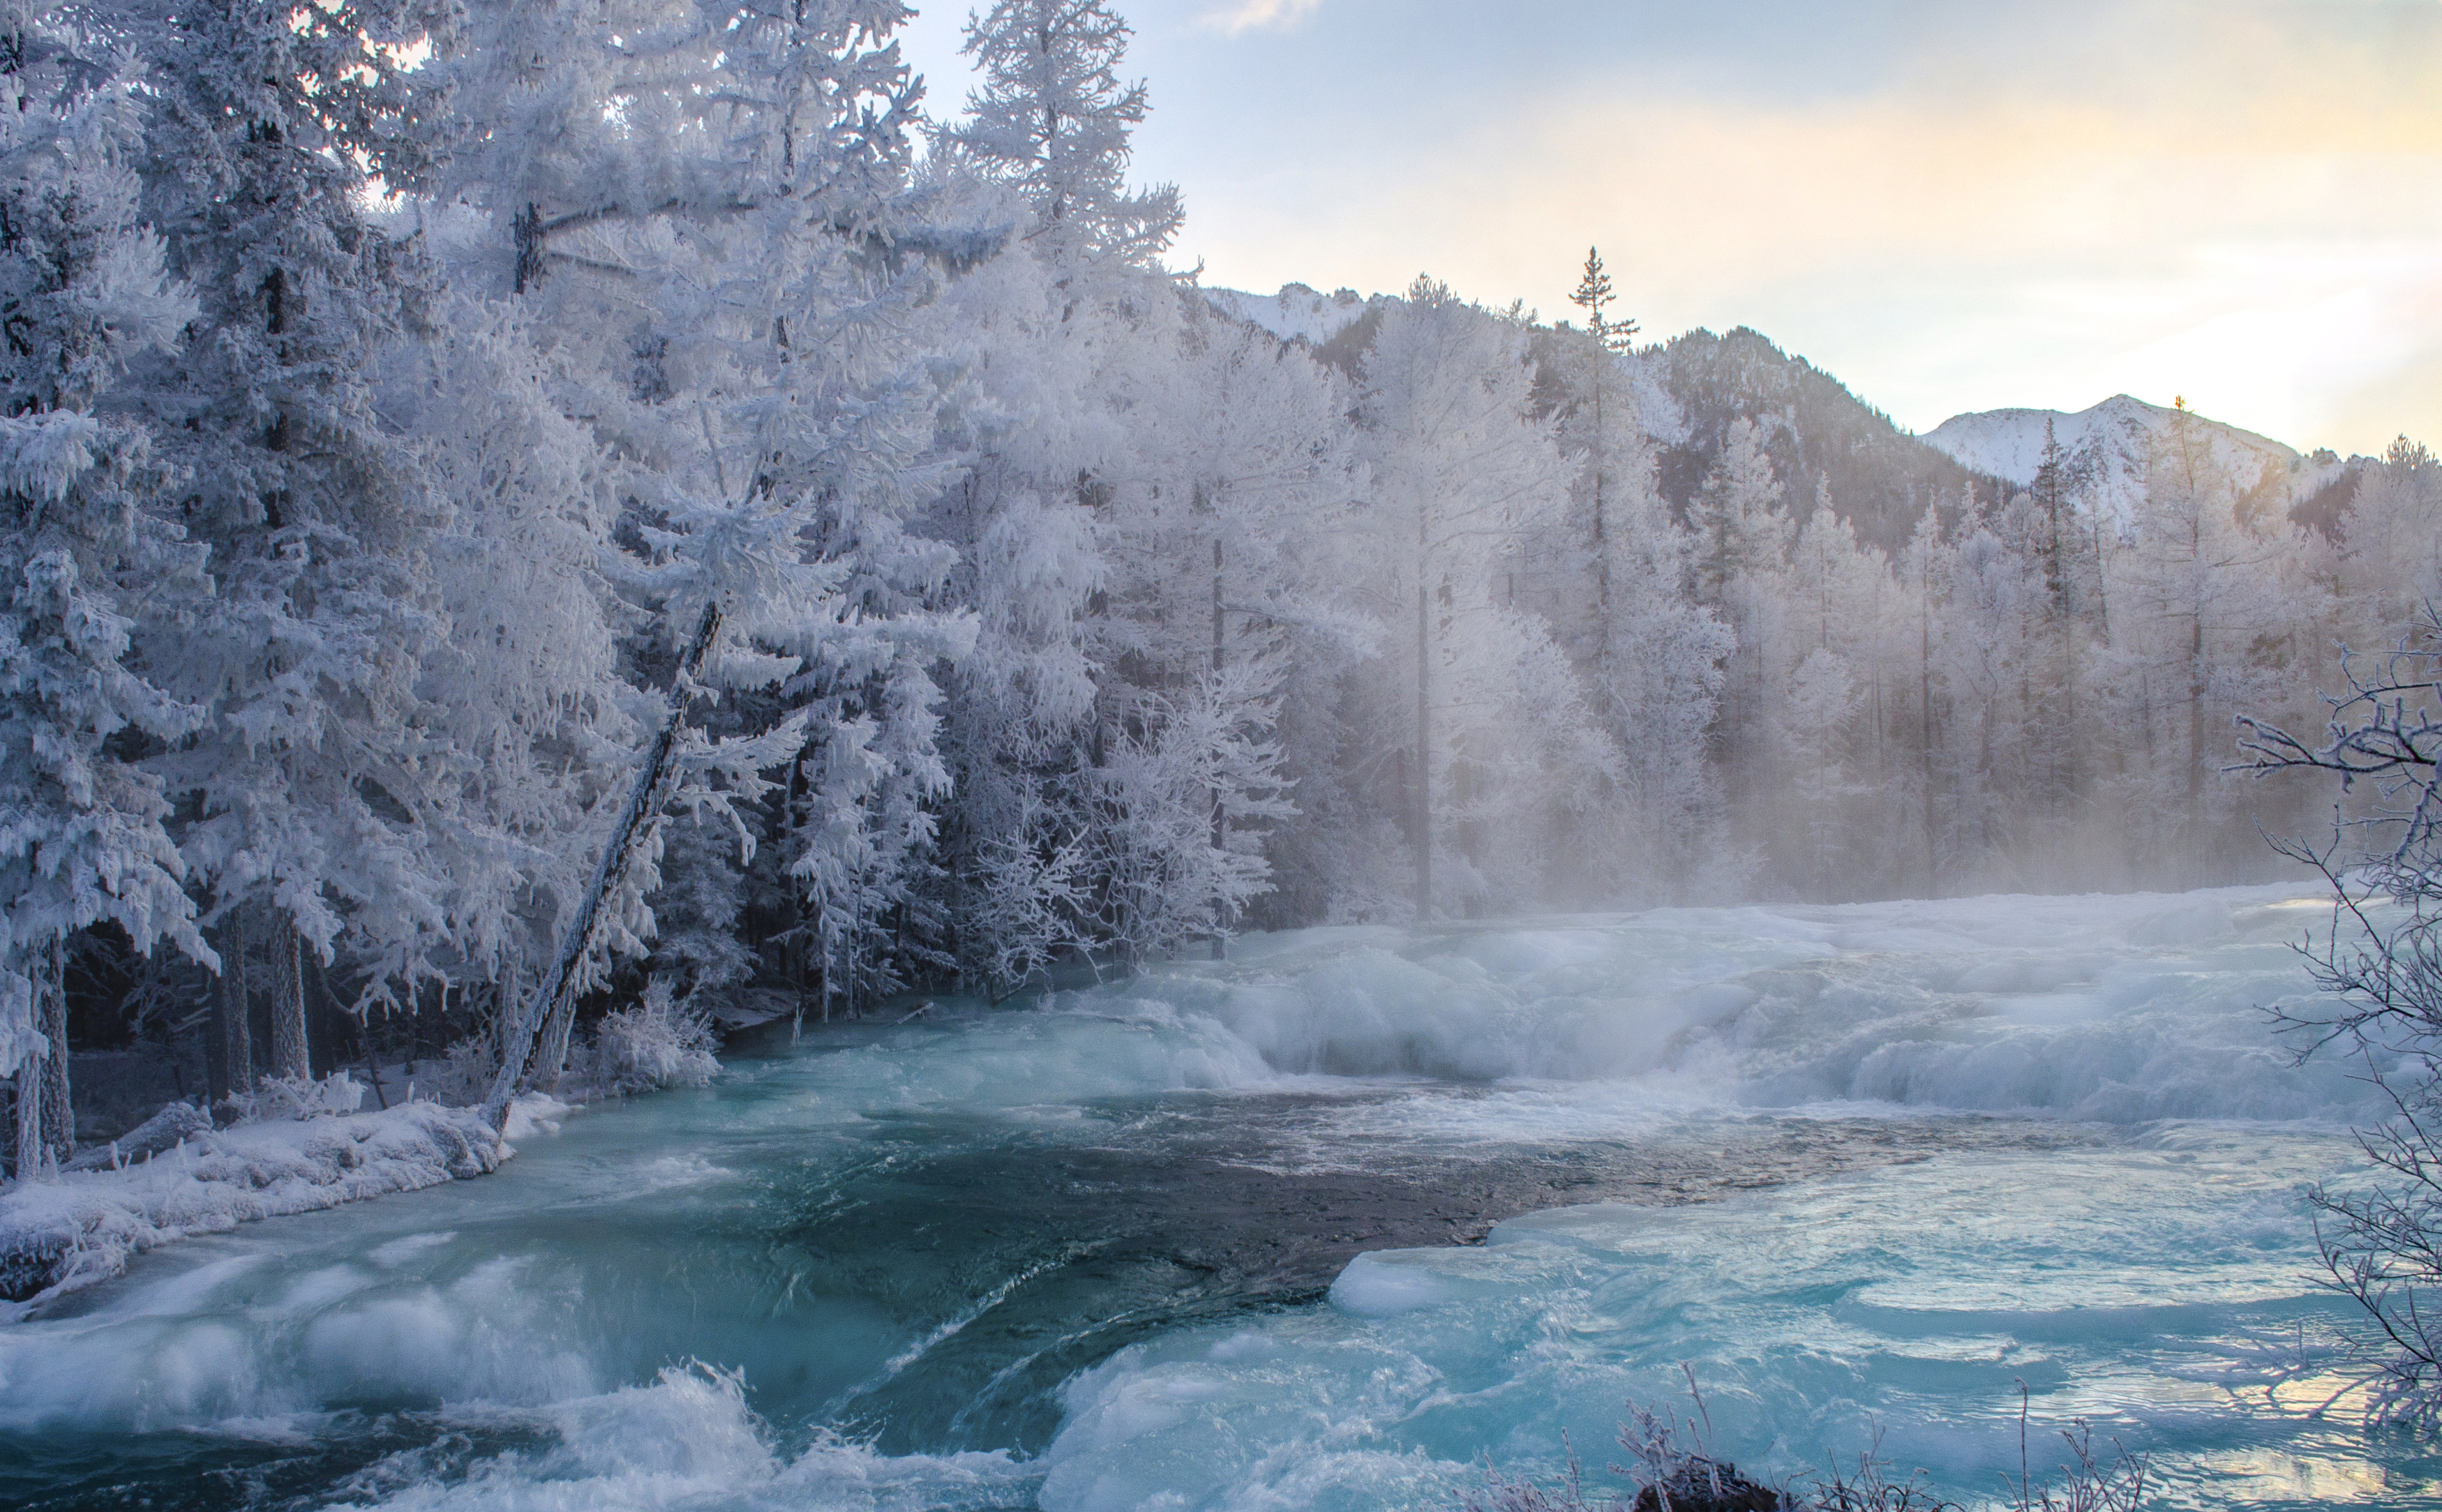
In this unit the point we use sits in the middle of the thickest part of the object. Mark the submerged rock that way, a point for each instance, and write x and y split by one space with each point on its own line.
1711 1486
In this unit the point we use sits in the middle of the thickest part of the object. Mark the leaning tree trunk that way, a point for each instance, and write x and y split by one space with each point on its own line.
551 1056
554 1003
59 1109
288 1046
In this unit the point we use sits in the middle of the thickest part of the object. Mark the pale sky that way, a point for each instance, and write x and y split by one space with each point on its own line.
1950 205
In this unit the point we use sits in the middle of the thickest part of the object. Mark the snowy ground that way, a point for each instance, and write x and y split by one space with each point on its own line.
311 1146
63 1235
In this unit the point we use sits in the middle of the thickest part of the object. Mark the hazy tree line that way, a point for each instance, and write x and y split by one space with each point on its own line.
508 503
2032 692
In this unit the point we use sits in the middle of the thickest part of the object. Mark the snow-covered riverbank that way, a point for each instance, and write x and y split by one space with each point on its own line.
63 1234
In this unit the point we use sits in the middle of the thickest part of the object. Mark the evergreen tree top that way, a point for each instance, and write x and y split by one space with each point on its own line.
1053 120
1592 293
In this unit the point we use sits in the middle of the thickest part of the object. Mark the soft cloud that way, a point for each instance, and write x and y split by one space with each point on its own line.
1255 15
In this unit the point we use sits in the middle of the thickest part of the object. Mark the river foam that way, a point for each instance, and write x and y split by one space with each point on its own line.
1865 1167
2115 1008
2153 1286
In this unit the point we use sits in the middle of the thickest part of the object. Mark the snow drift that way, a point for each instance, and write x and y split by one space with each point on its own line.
59 1236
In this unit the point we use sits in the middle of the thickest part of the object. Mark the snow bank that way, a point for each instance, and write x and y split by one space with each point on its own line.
58 1236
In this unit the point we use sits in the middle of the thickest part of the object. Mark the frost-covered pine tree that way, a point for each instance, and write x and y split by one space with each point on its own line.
1822 709
1175 848
526 719
741 337
1231 509
1461 470
305 656
1742 537
1994 602
1921 572
1053 120
2192 608
1230 557
1615 586
1599 384
1072 355
1028 515
91 539
2391 549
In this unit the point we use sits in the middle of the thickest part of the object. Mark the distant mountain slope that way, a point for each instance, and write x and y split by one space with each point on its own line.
2106 448
1295 314
1688 390
1880 478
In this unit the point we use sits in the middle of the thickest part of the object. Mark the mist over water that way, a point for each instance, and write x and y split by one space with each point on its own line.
1323 1226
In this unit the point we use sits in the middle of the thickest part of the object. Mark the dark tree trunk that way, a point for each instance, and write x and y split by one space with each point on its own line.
289 1057
230 1013
27 1083
59 1109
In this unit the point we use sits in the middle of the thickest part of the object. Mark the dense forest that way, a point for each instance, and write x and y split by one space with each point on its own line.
518 511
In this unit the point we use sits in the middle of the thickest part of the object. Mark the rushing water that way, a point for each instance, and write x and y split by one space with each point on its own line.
1325 1225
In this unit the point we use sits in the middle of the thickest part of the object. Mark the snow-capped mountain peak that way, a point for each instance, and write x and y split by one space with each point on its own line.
2108 446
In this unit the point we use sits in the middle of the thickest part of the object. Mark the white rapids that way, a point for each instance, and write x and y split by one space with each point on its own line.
2040 1140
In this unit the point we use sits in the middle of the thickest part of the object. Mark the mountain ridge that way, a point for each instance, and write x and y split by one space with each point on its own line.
2106 448
1687 391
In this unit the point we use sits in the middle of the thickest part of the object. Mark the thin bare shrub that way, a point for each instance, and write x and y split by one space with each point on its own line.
1674 1468
2085 1483
2380 966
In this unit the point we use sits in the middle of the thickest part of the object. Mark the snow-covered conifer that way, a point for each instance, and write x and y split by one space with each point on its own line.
2193 609
89 537
1741 553
1821 709
305 656
1461 470
2392 541
1177 850
1614 585
740 337
1070 356
1053 120
525 720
